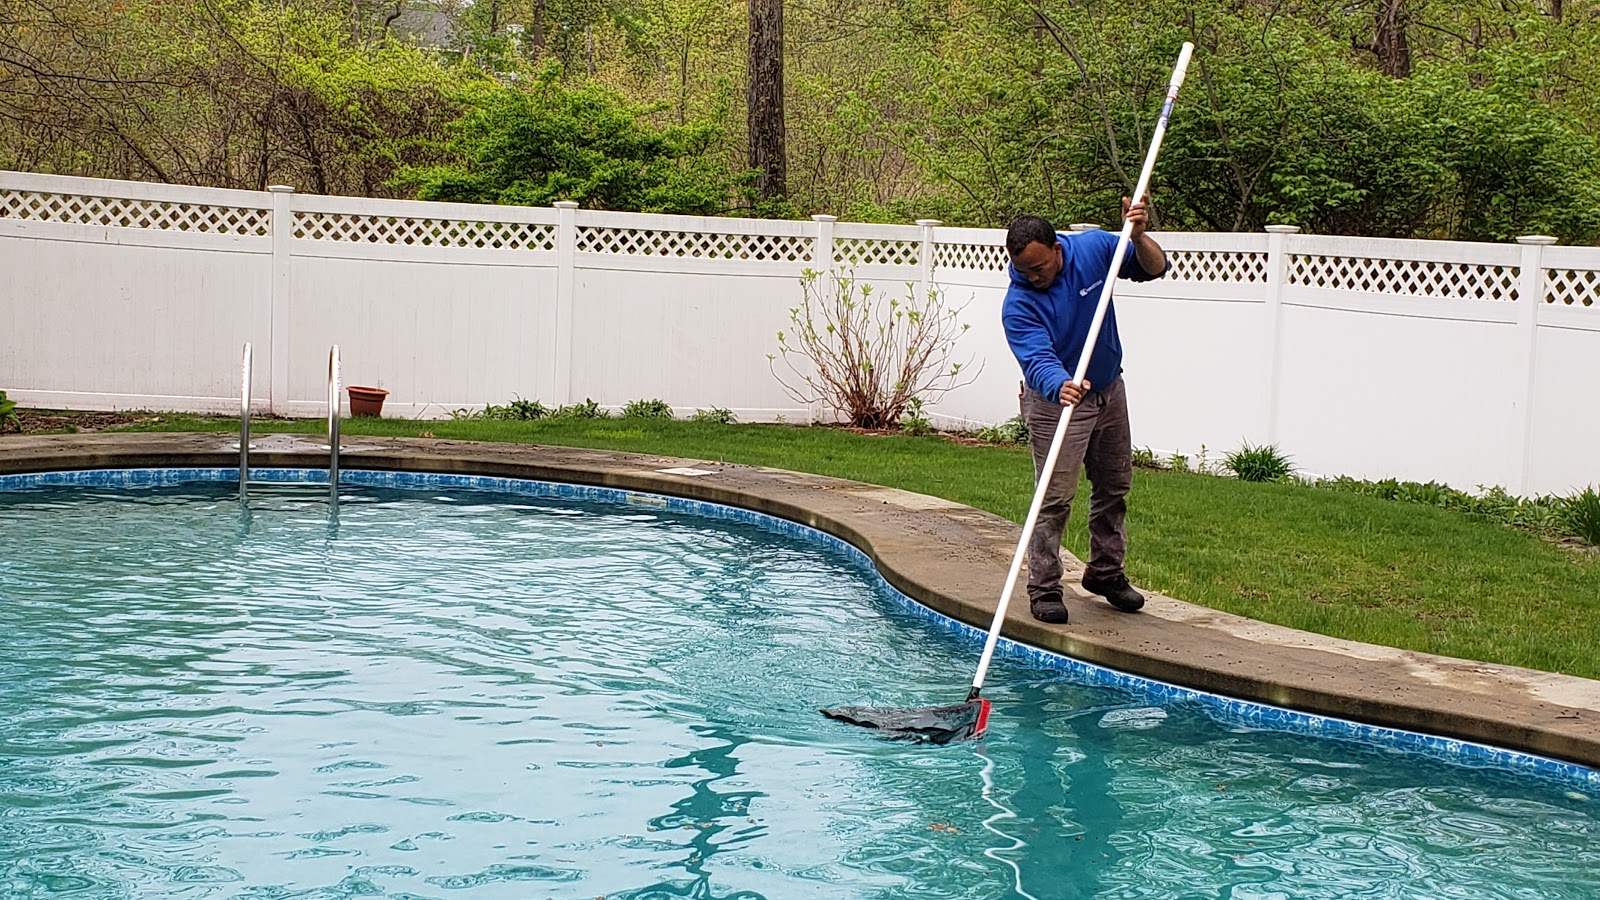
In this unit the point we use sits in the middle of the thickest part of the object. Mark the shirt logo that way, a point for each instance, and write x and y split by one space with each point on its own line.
1085 291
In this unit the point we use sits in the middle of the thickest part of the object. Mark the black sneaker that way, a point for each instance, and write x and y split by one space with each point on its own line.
1048 608
1117 591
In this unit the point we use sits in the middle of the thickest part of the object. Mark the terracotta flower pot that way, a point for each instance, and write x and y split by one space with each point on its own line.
366 401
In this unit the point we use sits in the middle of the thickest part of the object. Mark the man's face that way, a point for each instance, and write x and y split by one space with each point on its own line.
1040 264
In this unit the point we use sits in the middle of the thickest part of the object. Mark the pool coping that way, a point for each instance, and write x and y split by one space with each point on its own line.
953 559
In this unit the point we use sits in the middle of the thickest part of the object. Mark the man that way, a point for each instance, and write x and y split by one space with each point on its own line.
1055 284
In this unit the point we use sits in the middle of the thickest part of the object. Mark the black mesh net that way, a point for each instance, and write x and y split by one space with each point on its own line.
924 724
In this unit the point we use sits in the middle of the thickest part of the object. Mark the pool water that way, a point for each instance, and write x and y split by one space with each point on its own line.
500 696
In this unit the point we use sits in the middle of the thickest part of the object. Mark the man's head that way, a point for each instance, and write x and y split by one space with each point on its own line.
1034 251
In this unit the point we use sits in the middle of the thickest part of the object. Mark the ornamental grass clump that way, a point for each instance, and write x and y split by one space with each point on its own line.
1263 463
716 415
1580 513
646 409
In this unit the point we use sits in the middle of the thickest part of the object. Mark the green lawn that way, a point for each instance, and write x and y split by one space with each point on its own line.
1372 570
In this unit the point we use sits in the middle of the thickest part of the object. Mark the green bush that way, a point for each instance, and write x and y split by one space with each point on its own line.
1547 515
716 415
549 140
8 413
588 409
1145 458
1580 513
914 421
1011 431
1536 513
519 410
1263 463
647 409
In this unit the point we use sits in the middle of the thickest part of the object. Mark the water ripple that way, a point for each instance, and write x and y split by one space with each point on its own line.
451 695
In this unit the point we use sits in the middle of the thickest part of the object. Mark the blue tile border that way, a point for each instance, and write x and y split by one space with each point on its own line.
1227 710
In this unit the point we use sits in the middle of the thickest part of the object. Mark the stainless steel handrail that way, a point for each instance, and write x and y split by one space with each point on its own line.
334 377
244 422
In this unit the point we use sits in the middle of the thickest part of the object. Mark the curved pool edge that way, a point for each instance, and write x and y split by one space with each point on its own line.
953 559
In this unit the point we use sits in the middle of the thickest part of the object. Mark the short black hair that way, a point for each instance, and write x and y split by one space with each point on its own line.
1027 230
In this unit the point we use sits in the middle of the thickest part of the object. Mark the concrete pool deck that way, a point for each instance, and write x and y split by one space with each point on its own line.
954 558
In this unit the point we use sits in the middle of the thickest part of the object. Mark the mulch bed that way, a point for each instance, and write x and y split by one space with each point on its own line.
46 420
954 437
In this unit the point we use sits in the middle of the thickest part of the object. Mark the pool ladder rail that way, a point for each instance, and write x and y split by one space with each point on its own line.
335 377
244 424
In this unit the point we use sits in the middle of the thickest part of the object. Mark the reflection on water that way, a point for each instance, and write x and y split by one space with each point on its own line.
714 819
494 697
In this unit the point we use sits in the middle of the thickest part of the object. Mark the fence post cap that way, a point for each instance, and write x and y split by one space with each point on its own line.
1283 229
929 223
1083 226
1536 240
824 218
566 204
281 188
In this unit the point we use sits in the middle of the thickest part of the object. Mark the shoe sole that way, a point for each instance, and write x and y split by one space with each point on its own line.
1053 609
1120 607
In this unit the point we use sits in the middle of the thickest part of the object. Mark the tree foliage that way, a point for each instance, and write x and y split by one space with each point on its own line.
1047 108
548 142
1417 118
234 93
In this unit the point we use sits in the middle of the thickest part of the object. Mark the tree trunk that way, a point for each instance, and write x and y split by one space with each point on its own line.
683 82
767 140
538 30
1389 42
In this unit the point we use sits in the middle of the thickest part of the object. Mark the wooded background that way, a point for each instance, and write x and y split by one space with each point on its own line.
1472 119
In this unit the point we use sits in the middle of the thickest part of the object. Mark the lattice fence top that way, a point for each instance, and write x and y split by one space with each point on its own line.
1216 266
694 244
1572 287
876 252
973 257
397 230
119 212
1457 281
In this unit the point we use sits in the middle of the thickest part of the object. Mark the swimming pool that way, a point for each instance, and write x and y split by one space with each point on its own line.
488 688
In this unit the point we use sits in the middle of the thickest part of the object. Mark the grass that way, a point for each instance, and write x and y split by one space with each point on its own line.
1341 564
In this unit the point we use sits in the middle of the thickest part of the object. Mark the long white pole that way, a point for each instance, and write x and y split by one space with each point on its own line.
1123 240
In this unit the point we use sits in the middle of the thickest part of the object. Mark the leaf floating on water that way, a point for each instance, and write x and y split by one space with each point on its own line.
1139 719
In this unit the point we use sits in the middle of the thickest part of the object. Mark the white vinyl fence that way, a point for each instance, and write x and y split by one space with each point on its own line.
1474 364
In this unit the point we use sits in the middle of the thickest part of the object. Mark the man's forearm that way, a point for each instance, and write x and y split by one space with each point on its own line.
1149 253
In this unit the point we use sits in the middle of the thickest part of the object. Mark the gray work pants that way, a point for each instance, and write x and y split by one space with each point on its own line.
1098 440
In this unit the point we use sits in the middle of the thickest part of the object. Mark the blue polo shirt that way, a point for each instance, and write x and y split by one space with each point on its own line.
1047 329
